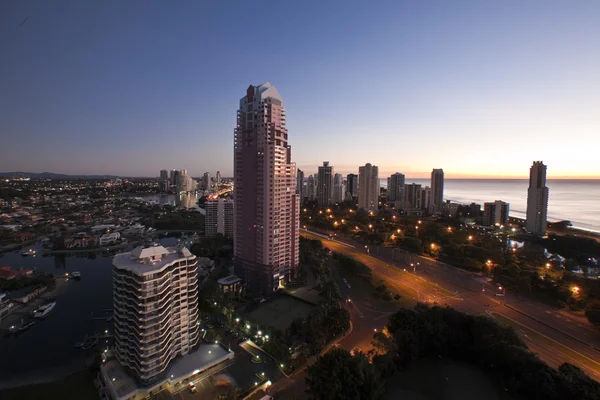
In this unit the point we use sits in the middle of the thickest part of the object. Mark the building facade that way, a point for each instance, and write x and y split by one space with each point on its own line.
368 187
325 184
163 182
218 178
311 188
299 182
219 218
411 196
352 186
155 301
338 188
395 187
267 208
495 213
436 205
537 200
206 182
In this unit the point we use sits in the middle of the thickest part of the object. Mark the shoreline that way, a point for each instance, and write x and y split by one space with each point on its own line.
92 250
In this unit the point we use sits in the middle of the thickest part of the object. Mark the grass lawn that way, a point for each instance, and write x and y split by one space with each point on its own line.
79 386
280 312
444 379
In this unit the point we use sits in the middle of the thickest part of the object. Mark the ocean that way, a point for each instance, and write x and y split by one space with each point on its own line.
576 200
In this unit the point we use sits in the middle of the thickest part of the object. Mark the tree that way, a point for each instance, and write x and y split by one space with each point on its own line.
339 375
592 312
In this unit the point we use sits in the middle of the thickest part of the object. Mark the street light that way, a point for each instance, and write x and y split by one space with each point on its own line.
470 237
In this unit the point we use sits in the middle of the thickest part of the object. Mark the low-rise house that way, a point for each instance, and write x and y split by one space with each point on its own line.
109 238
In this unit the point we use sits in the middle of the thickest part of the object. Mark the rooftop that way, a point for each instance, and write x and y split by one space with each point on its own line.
208 355
152 259
228 280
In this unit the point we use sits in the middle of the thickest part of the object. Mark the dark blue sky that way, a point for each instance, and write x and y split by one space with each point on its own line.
479 88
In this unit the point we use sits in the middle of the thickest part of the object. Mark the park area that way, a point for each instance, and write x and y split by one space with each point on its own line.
280 312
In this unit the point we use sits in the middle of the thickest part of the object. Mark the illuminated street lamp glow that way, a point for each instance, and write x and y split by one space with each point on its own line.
470 237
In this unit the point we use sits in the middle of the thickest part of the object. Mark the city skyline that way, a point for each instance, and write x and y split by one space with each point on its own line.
453 77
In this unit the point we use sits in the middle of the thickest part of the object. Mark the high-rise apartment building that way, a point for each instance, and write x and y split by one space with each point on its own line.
155 302
325 184
311 188
495 213
537 200
352 186
368 187
219 218
338 188
218 178
395 187
437 191
411 196
206 182
424 198
163 182
184 183
299 182
267 208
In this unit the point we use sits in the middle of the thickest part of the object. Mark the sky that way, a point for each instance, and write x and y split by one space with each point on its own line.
478 88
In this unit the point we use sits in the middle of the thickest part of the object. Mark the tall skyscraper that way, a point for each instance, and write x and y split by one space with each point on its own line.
437 191
396 187
218 178
155 302
325 185
163 182
338 188
311 188
219 218
495 213
352 186
368 187
537 200
299 182
411 196
423 198
206 183
267 208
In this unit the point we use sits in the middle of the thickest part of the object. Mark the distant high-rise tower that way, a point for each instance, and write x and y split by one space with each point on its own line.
338 188
396 187
368 187
206 183
325 185
267 208
537 200
437 191
219 218
311 188
299 182
155 302
163 183
411 196
218 178
352 186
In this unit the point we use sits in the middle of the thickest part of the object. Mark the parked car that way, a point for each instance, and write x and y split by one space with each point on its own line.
192 387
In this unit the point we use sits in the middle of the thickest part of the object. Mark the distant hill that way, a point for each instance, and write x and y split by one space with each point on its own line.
50 175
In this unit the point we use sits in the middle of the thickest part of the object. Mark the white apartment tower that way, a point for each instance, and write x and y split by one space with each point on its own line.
537 200
155 301
338 188
368 187
267 207
219 218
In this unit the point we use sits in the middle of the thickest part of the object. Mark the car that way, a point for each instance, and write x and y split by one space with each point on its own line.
192 387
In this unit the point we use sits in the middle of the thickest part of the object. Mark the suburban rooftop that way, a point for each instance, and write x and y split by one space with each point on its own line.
150 259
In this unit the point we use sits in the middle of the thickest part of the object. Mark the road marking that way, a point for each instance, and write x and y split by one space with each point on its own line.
491 313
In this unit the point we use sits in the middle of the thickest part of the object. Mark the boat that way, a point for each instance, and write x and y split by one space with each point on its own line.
29 252
89 343
76 275
44 310
16 329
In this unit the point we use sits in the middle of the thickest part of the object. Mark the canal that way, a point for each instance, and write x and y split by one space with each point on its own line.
47 350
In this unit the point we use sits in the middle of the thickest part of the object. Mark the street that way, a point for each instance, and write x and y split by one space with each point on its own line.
555 336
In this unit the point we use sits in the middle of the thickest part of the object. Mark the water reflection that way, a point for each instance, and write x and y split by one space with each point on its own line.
187 199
